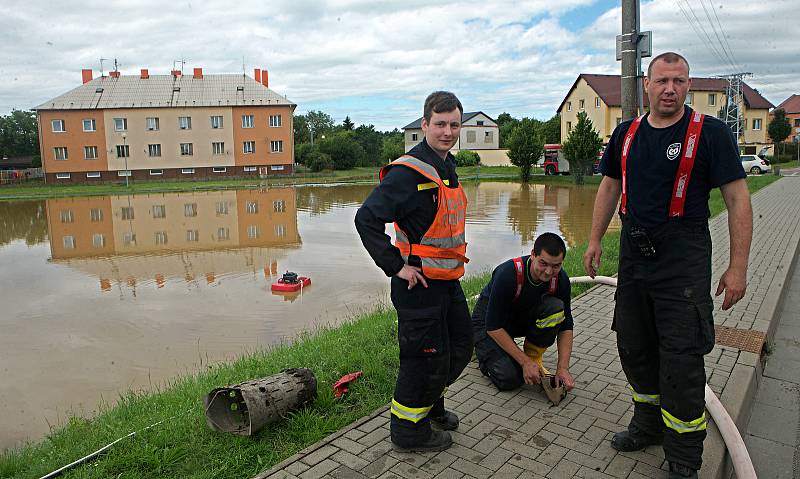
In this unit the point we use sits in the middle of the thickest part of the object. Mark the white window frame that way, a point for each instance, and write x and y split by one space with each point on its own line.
120 124
96 215
123 172
192 235
92 125
125 151
62 176
184 122
129 238
248 121
127 213
66 216
160 237
275 121
87 150
581 104
159 211
62 127
597 102
189 210
219 169
757 124
68 241
217 147
276 146
187 171
156 172
414 136
187 149
154 148
62 152
276 167
252 147
251 207
223 234
712 99
279 206
98 240
569 106
253 231
93 174
280 230
222 208
472 136
216 122
488 137
250 169
152 123
689 98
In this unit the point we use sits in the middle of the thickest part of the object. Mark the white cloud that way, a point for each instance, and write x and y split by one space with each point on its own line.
376 61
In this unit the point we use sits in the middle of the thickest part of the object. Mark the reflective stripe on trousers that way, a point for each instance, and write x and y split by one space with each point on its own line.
653 399
413 414
681 427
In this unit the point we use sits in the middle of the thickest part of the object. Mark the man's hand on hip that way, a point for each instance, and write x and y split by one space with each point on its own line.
734 283
413 275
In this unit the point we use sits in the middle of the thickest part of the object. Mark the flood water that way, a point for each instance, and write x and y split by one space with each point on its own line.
100 295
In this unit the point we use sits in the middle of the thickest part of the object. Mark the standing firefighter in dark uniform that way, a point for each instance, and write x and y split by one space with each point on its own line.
420 193
664 165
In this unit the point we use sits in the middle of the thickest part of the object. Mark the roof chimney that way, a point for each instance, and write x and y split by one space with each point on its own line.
198 73
176 73
114 74
264 77
145 74
257 74
86 73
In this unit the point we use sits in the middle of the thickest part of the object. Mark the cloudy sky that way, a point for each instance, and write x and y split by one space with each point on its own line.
376 61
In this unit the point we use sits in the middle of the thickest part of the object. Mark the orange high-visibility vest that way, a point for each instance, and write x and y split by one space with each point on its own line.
443 247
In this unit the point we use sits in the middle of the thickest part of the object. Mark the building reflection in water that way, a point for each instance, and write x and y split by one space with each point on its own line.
154 238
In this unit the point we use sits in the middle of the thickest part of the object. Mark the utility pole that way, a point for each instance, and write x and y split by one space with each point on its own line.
629 48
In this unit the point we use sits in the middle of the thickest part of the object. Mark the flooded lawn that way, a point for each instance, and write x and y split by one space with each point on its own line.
103 294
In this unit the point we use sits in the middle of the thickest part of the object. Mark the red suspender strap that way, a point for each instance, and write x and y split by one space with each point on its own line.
626 148
519 267
553 285
690 145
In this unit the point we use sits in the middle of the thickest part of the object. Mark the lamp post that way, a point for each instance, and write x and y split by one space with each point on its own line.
125 155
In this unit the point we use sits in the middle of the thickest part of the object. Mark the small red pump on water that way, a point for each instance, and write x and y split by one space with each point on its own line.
290 282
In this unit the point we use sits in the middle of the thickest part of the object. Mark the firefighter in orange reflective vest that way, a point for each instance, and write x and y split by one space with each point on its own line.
663 166
420 193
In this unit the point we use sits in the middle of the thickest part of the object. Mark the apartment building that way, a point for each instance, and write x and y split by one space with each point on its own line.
478 132
151 127
599 96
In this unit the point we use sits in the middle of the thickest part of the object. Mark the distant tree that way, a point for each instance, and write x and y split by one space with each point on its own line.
505 125
319 123
393 147
371 141
550 130
19 134
301 132
467 158
302 152
779 128
344 151
318 161
581 148
347 124
525 147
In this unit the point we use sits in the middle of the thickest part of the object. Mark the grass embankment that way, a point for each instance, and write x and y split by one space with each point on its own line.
185 447
39 190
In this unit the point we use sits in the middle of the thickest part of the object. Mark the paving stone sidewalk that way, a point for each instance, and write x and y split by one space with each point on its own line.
518 435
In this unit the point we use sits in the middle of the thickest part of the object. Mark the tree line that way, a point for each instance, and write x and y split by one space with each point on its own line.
19 135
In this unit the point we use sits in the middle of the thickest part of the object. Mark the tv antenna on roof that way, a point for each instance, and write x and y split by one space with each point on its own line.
101 66
244 72
182 61
116 65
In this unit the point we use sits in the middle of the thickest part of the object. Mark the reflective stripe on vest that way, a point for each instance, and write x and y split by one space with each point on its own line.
443 247
681 427
413 414
553 320
690 146
653 399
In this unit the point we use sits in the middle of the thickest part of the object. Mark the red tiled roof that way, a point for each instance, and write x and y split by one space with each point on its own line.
791 104
608 89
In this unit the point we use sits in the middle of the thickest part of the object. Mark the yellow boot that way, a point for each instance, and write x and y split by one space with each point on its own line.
535 353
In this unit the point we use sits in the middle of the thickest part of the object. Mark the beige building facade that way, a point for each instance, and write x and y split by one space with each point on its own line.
478 132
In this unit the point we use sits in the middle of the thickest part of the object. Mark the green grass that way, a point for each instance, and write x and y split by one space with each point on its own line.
185 447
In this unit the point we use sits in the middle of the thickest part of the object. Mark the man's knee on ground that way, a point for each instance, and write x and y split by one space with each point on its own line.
505 375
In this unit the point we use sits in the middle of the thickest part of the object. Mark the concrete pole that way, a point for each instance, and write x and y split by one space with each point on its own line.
629 48
639 77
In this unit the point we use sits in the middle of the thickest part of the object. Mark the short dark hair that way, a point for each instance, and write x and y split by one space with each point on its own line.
668 57
550 242
441 102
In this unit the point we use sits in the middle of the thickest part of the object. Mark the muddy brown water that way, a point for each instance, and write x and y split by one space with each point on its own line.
100 295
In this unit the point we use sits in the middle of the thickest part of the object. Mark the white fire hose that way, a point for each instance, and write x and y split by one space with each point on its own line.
727 428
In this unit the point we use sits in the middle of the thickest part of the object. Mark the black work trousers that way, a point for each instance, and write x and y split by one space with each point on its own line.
435 337
663 319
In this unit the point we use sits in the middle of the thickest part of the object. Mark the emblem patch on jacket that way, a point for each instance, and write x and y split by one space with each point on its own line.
673 151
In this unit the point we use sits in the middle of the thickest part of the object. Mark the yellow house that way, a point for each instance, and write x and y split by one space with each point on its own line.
599 96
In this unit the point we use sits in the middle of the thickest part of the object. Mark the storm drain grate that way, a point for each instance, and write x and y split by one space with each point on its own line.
742 339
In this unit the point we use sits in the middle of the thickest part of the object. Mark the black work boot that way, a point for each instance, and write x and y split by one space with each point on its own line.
446 422
680 471
438 441
634 439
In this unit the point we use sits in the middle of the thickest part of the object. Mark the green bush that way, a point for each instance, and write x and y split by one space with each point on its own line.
318 161
467 158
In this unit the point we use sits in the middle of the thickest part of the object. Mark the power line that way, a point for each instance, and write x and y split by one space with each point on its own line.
721 56
697 31
722 31
728 56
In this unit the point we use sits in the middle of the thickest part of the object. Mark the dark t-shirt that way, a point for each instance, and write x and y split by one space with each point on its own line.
517 317
653 164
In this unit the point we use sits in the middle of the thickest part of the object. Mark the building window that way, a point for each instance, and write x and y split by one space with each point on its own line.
123 151
95 215
280 231
152 123
247 121
488 137
93 174
218 147
597 102
274 121
797 122
192 235
154 150
253 232
712 99
223 234
250 169
219 169
249 147
222 208
414 137
276 167
756 123
127 213
60 153
161 237
252 207
581 104
129 238
90 152
156 172
689 98
569 126
66 216
187 171
58 126
89 125
124 173
69 242
471 136
480 122
279 206
190 209
276 146
98 240
186 149
619 120
62 176
569 106
120 124
216 122
159 211
185 122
